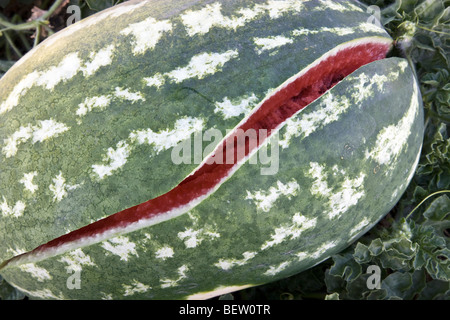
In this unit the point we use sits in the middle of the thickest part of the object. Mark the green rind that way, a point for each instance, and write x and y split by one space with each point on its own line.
243 227
146 174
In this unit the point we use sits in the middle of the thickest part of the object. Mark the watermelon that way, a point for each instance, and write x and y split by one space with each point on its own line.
182 150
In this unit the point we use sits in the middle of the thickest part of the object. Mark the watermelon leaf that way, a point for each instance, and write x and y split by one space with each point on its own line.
8 292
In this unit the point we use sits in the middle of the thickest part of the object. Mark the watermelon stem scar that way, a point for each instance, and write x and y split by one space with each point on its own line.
268 116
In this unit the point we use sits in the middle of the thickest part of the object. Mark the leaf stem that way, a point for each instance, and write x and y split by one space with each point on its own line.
35 24
36 36
438 116
50 11
431 30
426 198
12 45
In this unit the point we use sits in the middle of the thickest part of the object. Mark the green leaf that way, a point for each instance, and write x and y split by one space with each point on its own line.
427 11
227 296
334 283
439 209
396 283
397 254
7 292
333 296
376 247
435 290
433 245
99 5
362 254
345 266
377 294
357 289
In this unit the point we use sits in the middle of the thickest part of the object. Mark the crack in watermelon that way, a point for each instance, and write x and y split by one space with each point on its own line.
269 115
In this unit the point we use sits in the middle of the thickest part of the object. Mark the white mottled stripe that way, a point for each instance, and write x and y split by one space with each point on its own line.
16 211
227 264
66 69
27 181
69 66
371 27
167 139
100 102
273 270
340 31
324 248
127 95
156 81
409 178
335 5
164 253
108 296
290 231
16 251
317 252
59 187
103 101
365 87
47 129
392 139
355 231
264 200
135 287
115 159
236 107
76 259
169 283
414 166
19 90
20 136
201 21
270 43
98 59
146 34
192 238
277 8
340 198
349 194
202 65
329 111
44 130
120 246
320 184
36 272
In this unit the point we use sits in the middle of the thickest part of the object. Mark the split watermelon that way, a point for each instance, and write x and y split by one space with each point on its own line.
185 149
